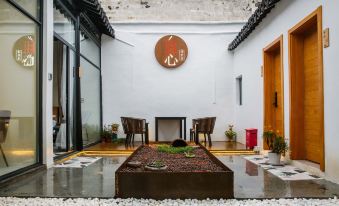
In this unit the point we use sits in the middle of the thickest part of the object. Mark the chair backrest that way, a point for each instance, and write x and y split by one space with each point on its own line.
125 124
5 116
133 125
205 125
194 122
139 125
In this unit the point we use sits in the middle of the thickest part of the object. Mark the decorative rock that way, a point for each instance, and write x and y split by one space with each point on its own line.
179 143
134 164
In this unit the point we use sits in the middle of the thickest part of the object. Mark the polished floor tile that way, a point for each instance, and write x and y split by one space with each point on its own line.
97 180
216 145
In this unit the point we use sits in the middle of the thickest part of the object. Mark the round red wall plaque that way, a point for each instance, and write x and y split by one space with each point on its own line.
171 51
24 51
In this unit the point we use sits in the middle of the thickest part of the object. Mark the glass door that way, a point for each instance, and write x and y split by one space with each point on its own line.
63 67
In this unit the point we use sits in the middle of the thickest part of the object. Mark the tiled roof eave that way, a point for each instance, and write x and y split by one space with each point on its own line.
260 13
95 12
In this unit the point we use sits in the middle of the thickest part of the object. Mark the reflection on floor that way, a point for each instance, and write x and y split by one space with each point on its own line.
216 146
78 162
97 180
284 172
16 159
224 145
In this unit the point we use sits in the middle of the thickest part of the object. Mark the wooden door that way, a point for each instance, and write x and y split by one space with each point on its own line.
273 88
312 98
306 85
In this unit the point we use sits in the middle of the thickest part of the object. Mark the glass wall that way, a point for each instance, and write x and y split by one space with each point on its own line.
90 50
19 37
64 27
90 90
63 83
31 6
90 102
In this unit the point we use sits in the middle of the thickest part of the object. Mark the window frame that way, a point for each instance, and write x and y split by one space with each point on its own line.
39 90
239 90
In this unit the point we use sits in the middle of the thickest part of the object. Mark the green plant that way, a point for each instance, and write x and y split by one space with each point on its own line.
173 150
279 146
269 137
156 164
189 154
106 133
115 127
230 133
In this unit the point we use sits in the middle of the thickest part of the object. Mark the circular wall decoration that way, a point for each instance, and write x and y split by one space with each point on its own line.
24 51
171 51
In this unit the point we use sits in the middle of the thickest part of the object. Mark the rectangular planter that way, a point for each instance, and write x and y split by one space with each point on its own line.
174 185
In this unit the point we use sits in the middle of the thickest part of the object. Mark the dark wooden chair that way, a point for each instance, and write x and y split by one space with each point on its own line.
192 132
133 126
204 126
5 116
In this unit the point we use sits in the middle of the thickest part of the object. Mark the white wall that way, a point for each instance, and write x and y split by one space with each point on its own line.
178 10
248 62
135 84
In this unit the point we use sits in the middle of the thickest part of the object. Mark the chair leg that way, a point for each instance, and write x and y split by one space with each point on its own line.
142 138
209 140
191 135
132 139
196 137
127 139
4 156
205 137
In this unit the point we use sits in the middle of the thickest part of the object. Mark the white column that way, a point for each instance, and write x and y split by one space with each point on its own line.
47 84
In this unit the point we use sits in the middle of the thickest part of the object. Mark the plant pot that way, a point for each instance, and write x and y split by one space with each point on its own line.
147 167
230 138
274 158
114 136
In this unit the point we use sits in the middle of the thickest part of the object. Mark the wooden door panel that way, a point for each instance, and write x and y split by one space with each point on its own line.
273 83
306 90
312 107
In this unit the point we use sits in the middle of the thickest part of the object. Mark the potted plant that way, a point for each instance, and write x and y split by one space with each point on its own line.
157 165
106 134
230 134
279 148
269 137
189 154
115 129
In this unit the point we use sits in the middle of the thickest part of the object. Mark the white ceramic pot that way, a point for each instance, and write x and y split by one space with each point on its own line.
274 158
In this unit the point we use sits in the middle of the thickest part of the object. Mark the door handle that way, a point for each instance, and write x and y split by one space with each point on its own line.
275 99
